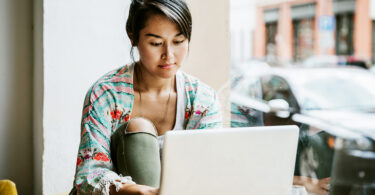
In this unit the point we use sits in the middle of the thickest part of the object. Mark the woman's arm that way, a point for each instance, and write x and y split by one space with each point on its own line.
94 168
317 186
134 189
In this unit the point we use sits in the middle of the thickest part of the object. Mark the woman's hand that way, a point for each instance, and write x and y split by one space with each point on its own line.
318 186
134 189
313 185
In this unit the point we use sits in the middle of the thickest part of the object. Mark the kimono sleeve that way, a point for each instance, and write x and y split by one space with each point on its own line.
212 117
94 168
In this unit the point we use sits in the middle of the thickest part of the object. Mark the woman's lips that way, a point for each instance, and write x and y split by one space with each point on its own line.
166 66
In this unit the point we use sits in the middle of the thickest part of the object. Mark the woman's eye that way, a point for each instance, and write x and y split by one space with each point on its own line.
179 42
155 44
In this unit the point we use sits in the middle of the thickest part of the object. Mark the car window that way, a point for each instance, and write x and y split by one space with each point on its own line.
339 89
274 87
338 94
249 87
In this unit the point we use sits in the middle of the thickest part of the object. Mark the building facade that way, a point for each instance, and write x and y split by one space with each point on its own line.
293 30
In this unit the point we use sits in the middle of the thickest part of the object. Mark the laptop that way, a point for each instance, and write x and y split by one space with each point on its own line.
251 160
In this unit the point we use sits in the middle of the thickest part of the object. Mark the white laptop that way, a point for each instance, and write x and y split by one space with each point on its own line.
251 160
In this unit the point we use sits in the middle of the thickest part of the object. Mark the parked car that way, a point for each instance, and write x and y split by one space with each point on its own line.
319 93
326 103
332 61
323 61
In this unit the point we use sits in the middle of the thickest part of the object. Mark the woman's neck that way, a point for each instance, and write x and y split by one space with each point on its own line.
145 82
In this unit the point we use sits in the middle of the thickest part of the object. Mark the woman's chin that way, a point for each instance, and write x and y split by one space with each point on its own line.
166 74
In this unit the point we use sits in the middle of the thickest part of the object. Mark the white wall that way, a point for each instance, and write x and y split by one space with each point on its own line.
84 39
16 157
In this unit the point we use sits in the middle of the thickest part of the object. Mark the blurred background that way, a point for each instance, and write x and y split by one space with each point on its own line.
310 63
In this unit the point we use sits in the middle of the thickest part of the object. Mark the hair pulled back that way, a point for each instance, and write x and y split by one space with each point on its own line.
141 10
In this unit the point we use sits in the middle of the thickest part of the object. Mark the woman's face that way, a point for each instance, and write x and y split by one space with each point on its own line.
162 47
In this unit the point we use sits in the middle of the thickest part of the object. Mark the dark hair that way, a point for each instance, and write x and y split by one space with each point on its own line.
141 10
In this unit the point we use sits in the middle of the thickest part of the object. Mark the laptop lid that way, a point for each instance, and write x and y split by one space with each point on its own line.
251 160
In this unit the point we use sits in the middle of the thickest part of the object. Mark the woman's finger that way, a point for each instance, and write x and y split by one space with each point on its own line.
325 186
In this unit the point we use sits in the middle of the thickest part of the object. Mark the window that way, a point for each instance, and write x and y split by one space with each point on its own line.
306 48
344 34
271 31
303 38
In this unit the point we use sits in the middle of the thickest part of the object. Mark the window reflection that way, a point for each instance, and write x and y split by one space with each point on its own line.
344 34
310 63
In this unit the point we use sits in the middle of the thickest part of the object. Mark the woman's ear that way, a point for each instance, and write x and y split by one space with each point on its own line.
130 35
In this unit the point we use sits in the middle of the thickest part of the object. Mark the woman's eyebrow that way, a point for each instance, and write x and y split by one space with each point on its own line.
153 35
159 37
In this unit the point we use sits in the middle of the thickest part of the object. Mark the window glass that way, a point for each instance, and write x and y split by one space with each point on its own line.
317 58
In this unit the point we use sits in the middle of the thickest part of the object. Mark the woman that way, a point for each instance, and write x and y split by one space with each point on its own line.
127 111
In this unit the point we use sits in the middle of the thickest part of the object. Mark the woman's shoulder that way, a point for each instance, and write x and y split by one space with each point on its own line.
119 75
195 85
198 91
118 80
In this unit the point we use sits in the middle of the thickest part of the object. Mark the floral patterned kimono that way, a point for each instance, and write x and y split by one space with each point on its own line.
108 105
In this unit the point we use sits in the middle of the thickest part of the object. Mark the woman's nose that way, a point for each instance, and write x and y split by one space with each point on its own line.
168 52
